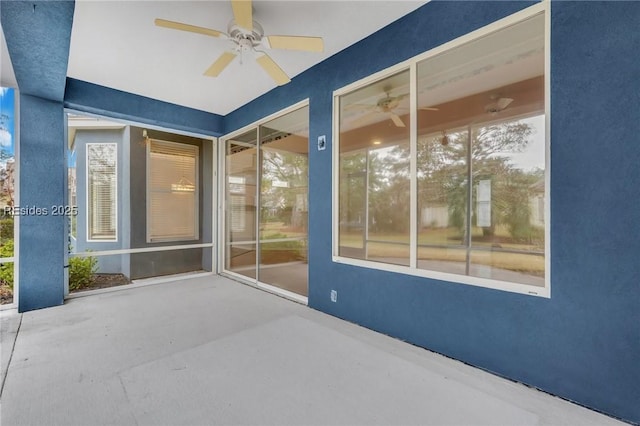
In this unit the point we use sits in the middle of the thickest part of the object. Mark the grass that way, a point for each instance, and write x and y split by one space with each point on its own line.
532 264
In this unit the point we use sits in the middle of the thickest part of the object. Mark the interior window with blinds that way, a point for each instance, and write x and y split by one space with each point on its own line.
102 187
172 192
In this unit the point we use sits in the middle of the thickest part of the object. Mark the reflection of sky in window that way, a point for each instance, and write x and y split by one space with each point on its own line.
533 156
6 122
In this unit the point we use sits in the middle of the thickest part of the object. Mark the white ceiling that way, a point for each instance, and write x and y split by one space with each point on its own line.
7 77
116 44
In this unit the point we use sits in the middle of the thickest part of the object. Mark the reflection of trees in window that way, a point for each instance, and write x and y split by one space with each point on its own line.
442 178
284 181
389 192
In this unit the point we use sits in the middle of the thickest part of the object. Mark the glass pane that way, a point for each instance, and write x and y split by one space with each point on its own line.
481 157
102 190
509 199
6 282
442 200
353 199
515 267
241 203
374 171
284 264
241 259
8 173
284 201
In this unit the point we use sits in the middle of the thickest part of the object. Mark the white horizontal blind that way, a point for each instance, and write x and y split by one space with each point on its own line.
172 192
102 191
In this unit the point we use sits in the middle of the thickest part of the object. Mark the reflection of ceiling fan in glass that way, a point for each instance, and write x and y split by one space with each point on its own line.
497 105
247 36
389 105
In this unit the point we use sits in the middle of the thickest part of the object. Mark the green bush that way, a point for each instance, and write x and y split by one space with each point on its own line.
81 270
6 269
6 228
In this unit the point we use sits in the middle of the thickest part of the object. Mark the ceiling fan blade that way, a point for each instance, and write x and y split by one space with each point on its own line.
429 109
276 73
186 27
220 64
364 120
396 120
243 13
503 103
308 44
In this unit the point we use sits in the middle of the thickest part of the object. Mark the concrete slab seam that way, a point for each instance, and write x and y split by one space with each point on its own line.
13 347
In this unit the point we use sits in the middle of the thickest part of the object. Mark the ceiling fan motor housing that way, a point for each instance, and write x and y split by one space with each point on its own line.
244 39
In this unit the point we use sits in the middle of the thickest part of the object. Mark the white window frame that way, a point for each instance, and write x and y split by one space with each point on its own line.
411 65
15 259
223 227
196 218
88 200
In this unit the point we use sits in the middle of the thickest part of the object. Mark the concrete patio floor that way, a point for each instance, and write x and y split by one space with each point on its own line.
208 350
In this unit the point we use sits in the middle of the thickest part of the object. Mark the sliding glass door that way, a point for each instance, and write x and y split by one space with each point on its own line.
266 215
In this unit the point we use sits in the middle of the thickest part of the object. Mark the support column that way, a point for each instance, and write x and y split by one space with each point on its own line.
42 186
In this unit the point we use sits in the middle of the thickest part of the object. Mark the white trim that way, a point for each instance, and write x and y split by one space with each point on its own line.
413 165
444 276
277 291
15 259
222 205
140 250
215 196
113 239
258 198
547 128
380 75
16 189
335 183
303 103
411 65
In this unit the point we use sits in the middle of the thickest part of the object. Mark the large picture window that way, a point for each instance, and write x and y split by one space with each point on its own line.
442 163
102 191
172 191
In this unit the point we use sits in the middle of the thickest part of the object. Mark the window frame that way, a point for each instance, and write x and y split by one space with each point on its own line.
15 259
196 217
412 65
89 210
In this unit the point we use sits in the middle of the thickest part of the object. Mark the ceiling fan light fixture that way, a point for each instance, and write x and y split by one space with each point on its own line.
247 35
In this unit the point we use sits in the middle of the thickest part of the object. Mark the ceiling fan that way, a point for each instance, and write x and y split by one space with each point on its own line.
389 105
247 36
498 105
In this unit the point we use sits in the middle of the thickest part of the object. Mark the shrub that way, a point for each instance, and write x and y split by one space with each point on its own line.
6 269
81 270
6 228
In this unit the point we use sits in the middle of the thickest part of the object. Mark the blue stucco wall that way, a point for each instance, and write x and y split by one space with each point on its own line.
581 344
38 35
42 236
107 102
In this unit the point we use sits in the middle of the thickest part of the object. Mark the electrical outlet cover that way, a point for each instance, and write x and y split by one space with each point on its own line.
322 143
